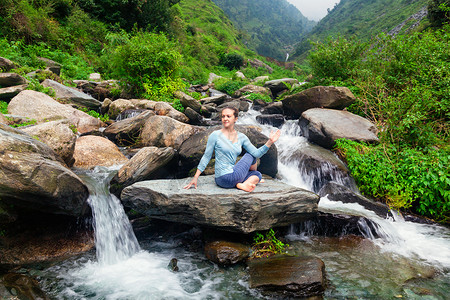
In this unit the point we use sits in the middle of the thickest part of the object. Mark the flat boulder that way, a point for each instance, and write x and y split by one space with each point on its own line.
71 95
9 92
10 79
34 177
324 126
58 135
91 151
7 65
288 276
271 204
317 97
43 108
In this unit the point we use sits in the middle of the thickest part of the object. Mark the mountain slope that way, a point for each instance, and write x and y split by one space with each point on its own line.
365 19
270 26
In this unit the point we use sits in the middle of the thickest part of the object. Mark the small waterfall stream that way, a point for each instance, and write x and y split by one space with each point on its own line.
384 265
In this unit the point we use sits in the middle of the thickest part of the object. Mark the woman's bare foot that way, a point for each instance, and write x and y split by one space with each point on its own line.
248 185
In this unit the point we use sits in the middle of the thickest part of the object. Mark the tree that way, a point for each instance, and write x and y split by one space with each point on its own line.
439 12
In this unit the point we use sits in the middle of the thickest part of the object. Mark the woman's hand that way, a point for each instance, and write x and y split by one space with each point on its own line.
274 136
193 182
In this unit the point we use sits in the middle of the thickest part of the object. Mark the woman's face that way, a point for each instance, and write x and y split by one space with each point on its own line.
228 118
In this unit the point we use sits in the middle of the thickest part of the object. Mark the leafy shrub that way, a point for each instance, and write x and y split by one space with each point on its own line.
254 96
177 105
267 245
232 61
33 84
439 12
228 86
93 113
403 178
3 107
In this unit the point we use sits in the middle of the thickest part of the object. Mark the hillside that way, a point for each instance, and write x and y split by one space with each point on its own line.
270 27
365 19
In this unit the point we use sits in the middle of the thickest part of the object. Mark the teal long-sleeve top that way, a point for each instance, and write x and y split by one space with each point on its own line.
226 152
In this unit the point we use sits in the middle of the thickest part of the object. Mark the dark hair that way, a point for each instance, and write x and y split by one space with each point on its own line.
234 109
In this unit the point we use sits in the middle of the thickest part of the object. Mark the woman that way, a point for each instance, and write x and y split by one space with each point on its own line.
227 144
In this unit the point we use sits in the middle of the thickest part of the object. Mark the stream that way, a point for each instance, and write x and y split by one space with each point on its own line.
401 259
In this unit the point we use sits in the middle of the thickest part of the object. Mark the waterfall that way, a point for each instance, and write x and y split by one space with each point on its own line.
114 237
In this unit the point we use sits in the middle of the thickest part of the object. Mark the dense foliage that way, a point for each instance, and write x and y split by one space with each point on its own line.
403 86
439 12
270 27
266 245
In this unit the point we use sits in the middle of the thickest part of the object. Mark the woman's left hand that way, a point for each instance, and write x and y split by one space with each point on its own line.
273 137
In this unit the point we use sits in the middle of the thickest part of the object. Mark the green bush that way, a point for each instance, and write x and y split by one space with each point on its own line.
228 86
232 61
404 178
255 96
267 245
3 107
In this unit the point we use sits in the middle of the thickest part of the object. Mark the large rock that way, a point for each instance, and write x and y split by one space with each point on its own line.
256 63
9 92
273 108
162 131
276 120
318 165
3 120
188 101
118 106
317 97
51 65
126 132
217 100
192 150
278 85
165 109
91 151
337 192
10 79
324 126
71 95
226 253
34 177
250 88
7 65
57 135
289 276
24 286
271 204
43 108
142 166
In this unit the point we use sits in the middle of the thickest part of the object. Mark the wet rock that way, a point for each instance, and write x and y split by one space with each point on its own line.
337 192
9 92
193 148
43 108
7 215
324 126
317 97
71 95
276 120
188 101
118 106
288 276
194 117
91 151
173 265
129 113
162 131
11 79
23 286
34 177
142 166
126 132
273 108
226 253
271 204
57 135
278 85
7 65
250 88
258 104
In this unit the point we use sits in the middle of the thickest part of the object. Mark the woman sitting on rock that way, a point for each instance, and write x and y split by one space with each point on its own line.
227 144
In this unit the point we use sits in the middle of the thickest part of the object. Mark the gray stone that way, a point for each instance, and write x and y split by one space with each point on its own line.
188 101
7 65
43 108
276 120
324 126
261 78
34 177
288 276
142 166
51 65
9 92
165 109
3 120
273 108
317 97
256 63
217 100
71 95
126 132
194 117
11 79
95 77
240 75
271 204
279 85
337 192
212 77
226 253
57 135
250 88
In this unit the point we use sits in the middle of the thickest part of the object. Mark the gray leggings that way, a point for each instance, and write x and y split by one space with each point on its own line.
241 172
